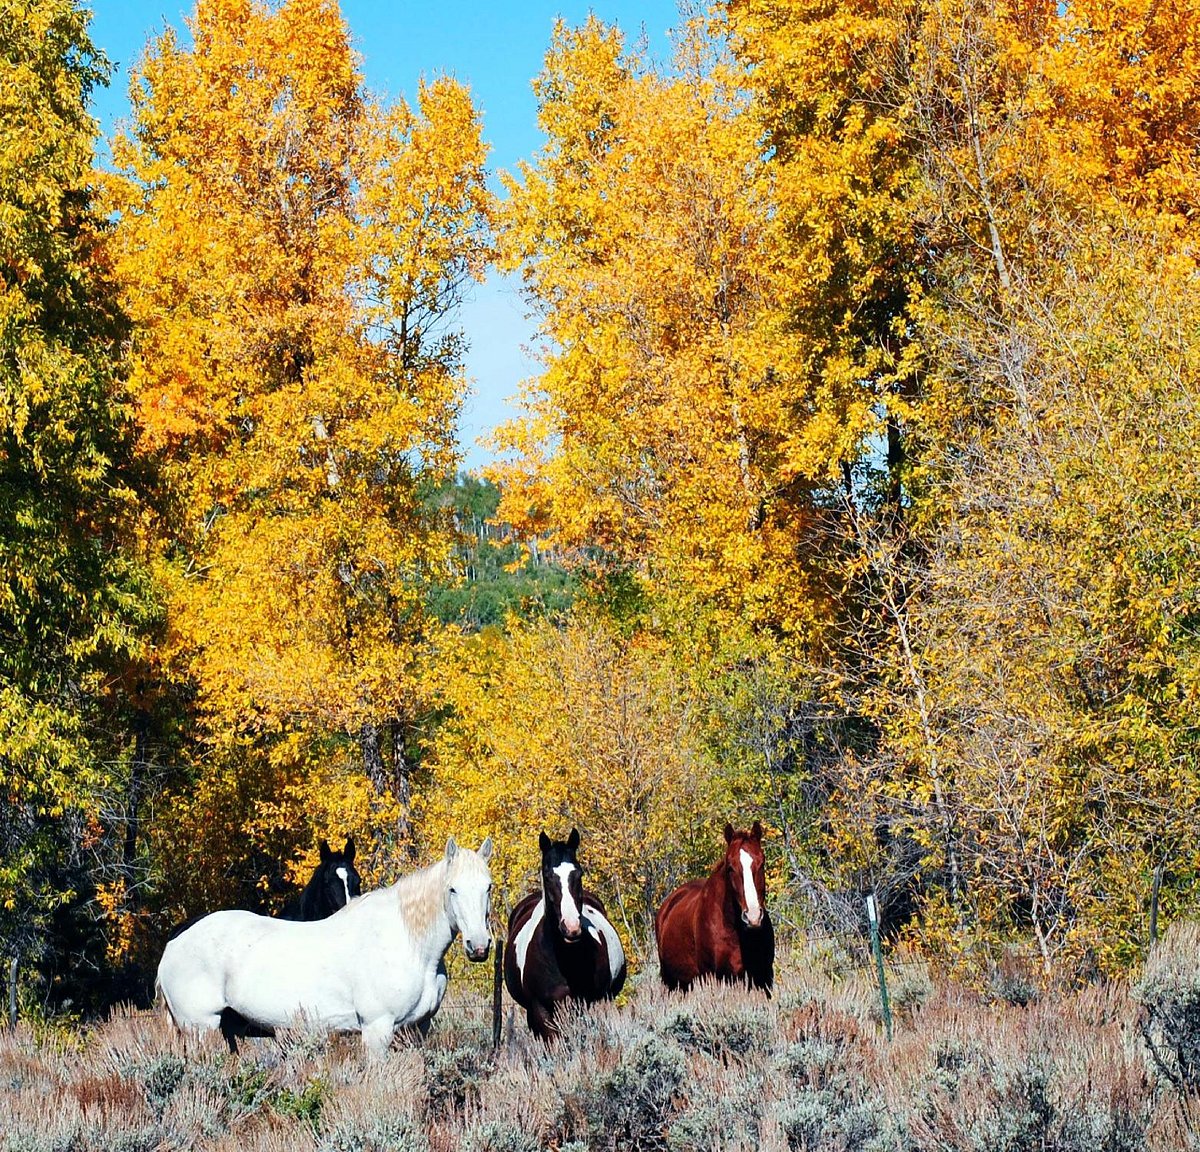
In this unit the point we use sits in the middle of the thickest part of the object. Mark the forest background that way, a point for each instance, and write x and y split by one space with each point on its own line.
857 491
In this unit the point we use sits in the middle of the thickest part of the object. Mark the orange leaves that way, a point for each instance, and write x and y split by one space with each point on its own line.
643 231
294 254
1124 76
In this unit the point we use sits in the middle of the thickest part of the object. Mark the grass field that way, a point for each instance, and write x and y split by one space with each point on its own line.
716 1069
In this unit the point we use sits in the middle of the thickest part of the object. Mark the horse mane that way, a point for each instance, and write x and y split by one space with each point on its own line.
420 897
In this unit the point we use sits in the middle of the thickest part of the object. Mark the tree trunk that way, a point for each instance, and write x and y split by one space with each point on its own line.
133 803
402 786
895 464
372 754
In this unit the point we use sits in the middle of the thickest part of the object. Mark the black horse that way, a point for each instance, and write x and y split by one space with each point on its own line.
332 886
560 943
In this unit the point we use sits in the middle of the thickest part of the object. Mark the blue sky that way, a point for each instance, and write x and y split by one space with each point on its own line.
497 49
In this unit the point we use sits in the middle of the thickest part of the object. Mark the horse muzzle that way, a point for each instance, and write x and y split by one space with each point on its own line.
570 933
756 922
477 952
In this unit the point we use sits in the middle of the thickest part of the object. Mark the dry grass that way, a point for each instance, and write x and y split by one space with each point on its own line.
717 1069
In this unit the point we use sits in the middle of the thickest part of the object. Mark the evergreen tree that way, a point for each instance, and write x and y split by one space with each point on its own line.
72 598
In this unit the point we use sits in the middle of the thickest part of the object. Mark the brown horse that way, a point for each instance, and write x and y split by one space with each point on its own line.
720 926
560 944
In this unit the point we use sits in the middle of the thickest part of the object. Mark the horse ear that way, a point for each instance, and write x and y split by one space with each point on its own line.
543 842
451 848
573 840
348 851
323 848
728 833
485 849
757 830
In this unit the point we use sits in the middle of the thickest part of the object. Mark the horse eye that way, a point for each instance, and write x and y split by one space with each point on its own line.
453 891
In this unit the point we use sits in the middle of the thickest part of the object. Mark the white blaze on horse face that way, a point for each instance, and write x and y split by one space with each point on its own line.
568 912
753 904
344 877
470 885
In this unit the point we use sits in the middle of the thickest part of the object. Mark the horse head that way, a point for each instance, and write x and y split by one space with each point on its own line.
468 894
562 884
744 862
336 881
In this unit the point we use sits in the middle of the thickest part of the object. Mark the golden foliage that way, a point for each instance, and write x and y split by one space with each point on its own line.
658 431
289 250
550 729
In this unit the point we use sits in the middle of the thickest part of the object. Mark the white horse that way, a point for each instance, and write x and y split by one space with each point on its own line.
372 967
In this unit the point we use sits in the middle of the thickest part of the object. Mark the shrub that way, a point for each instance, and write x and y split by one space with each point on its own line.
375 1134
1013 979
637 1097
909 987
1169 993
720 1121
304 1105
733 1030
819 1118
805 1118
499 1136
814 1061
453 1075
160 1079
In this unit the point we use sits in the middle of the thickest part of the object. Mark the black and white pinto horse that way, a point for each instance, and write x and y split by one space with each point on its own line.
561 945
332 886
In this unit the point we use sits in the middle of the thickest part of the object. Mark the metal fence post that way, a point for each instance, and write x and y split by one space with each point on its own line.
497 992
1155 889
873 920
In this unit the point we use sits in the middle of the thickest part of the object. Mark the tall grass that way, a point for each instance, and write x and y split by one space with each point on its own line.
719 1069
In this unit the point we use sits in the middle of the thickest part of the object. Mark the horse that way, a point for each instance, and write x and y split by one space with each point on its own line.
720 926
375 965
333 884
570 953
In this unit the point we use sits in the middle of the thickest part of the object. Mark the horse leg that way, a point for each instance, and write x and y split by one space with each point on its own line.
235 1026
230 1030
541 1020
377 1036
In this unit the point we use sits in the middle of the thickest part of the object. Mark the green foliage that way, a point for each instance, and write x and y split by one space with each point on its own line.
499 575
73 601
304 1105
634 1102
